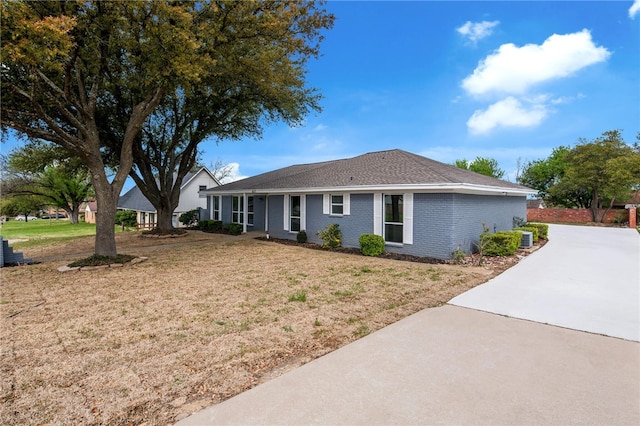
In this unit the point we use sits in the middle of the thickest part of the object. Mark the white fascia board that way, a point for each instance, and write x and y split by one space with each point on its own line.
455 188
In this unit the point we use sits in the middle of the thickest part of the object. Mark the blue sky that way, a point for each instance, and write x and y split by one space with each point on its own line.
450 80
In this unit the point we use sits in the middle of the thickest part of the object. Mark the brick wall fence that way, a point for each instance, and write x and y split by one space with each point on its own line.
572 215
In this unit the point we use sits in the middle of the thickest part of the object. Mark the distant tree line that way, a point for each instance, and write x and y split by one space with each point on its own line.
593 174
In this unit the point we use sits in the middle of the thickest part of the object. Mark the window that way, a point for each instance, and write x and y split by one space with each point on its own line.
237 208
249 210
337 204
200 189
216 207
294 213
393 219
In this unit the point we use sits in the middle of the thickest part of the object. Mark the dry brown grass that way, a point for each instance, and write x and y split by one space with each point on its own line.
205 318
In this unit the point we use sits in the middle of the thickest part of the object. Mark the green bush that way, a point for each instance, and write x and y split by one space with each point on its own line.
502 243
543 229
331 236
302 236
190 218
532 229
208 225
126 218
371 244
235 228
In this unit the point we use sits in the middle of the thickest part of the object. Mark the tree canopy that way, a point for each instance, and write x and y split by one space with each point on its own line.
87 75
483 165
48 173
593 174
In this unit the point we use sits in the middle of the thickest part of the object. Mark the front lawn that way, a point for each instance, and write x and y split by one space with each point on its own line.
45 228
205 318
45 231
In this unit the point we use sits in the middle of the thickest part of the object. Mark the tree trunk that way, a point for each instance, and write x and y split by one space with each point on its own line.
73 215
105 220
595 207
165 220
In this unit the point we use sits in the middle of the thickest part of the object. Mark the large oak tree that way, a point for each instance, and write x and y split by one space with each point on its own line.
87 75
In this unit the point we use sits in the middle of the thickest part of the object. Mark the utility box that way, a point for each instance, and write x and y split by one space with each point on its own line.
527 239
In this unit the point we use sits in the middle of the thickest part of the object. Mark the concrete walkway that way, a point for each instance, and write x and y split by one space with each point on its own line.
586 278
455 365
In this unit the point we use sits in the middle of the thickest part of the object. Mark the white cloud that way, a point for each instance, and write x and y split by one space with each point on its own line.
634 9
566 99
233 173
320 127
475 31
509 112
513 70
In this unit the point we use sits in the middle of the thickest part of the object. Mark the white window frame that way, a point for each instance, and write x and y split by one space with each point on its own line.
250 209
385 223
237 214
291 216
407 217
287 212
215 202
327 204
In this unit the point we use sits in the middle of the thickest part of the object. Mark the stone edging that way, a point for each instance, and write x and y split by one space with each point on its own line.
134 261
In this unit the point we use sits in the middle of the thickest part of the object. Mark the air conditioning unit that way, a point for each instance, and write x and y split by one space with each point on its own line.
527 239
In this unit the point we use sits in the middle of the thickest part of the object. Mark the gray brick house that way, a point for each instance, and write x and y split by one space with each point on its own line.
420 206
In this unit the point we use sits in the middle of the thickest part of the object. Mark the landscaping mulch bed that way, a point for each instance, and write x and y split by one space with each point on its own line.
352 250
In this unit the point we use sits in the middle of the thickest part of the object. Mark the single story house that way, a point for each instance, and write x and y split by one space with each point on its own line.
190 198
91 212
420 206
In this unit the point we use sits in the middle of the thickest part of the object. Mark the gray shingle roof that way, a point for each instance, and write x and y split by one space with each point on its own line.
134 199
383 168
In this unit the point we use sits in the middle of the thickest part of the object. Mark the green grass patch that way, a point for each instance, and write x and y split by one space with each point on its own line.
298 296
40 229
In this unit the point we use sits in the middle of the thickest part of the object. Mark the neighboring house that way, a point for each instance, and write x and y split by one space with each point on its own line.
91 212
420 206
535 204
190 199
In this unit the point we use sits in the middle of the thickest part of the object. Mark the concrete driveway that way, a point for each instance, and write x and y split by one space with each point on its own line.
586 278
456 365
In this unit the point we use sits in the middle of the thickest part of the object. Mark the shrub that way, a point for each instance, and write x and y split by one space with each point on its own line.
502 243
331 236
458 255
210 225
531 229
518 221
190 218
235 228
371 244
543 229
126 218
302 236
